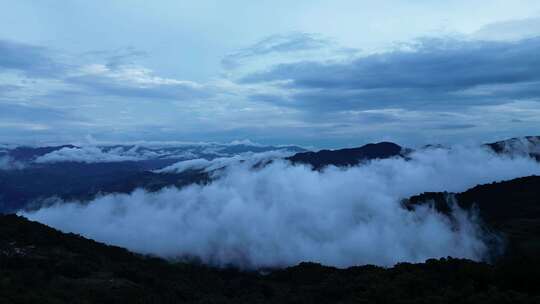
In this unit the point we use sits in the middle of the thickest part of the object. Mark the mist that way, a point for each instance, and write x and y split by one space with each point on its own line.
88 155
280 214
8 163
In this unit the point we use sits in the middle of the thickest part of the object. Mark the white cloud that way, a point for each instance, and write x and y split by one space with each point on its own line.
281 214
134 75
84 155
248 158
509 30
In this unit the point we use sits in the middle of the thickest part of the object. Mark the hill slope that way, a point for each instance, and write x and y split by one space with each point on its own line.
41 265
511 208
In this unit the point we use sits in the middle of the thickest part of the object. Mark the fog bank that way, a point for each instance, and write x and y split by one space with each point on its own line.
281 214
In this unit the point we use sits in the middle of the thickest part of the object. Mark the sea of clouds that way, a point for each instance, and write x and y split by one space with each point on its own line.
281 214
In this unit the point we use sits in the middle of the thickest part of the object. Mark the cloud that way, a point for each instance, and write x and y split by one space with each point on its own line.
297 87
521 146
75 78
455 126
430 72
84 155
510 30
281 214
135 82
8 88
32 60
28 122
34 113
8 163
247 159
117 57
276 44
218 155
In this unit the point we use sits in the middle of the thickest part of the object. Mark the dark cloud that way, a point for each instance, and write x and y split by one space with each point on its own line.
117 57
23 122
276 44
437 72
34 114
29 59
119 79
455 126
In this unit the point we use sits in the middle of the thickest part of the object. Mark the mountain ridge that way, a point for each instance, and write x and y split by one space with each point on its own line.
28 186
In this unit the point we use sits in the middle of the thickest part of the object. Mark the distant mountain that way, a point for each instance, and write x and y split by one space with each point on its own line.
31 187
41 265
27 154
36 156
80 173
347 157
528 145
69 176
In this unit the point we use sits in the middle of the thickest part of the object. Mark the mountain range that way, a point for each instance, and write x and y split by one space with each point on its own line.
70 172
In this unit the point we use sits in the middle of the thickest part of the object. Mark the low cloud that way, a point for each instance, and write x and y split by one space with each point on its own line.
281 214
85 155
246 159
202 155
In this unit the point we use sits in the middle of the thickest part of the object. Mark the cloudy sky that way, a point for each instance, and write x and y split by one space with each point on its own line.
317 73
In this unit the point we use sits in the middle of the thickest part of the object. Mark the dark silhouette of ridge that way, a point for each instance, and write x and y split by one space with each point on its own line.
39 264
32 185
510 208
30 153
347 157
520 145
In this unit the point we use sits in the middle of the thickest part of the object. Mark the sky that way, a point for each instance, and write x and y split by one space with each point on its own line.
314 73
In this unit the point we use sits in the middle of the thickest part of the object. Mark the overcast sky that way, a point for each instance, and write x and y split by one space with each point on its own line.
317 73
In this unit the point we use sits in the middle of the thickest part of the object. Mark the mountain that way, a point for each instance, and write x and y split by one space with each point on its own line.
31 187
510 208
528 145
24 154
37 156
41 265
80 173
347 157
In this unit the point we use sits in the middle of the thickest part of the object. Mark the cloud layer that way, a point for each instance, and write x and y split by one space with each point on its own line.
86 155
430 71
281 214
295 85
433 83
